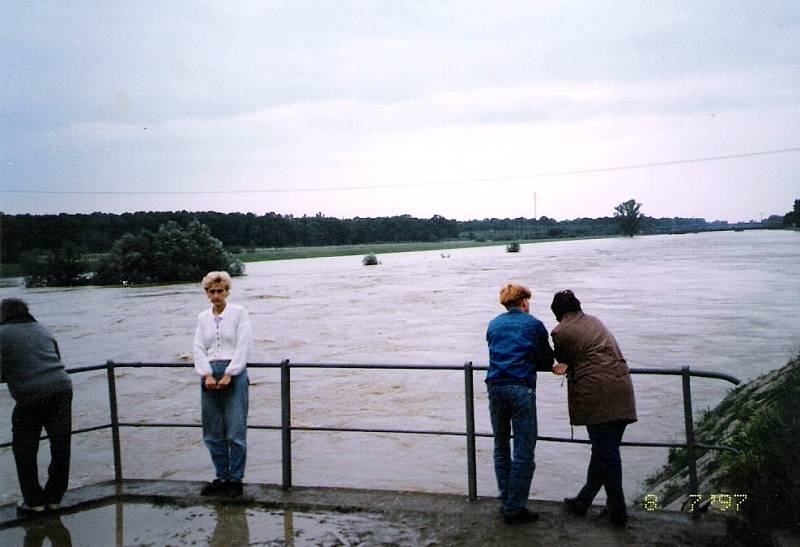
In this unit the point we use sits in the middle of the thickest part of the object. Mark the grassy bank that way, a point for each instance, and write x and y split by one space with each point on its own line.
761 422
288 253
285 253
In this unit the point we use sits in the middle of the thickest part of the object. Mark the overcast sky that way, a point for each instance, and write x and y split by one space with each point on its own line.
464 109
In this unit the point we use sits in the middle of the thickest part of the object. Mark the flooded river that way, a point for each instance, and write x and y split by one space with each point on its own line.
724 302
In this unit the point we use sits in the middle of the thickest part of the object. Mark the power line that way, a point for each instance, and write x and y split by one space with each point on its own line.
416 184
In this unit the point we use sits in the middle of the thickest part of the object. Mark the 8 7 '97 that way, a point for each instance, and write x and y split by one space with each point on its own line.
722 502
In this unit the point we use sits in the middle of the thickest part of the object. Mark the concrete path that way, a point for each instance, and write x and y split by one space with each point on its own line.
338 516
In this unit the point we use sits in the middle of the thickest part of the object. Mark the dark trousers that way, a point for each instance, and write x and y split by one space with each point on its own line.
53 413
605 467
52 529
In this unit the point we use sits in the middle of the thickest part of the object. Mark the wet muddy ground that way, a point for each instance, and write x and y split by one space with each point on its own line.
172 513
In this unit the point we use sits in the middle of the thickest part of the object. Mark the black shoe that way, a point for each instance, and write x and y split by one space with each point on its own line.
574 507
523 517
214 488
617 519
235 489
24 510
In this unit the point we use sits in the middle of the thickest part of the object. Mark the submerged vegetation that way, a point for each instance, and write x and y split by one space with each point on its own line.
760 421
171 254
288 253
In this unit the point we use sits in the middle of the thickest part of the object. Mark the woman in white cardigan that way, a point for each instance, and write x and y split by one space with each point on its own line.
221 343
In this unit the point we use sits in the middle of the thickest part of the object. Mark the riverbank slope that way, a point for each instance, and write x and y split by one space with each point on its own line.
758 482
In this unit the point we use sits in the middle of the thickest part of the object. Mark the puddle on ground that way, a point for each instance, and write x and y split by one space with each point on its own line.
216 525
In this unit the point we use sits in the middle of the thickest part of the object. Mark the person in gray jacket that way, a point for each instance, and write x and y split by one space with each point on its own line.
30 363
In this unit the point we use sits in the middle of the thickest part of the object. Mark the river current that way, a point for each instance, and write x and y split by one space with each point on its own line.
724 302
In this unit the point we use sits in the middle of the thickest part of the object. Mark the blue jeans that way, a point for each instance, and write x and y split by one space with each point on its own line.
513 407
605 467
225 423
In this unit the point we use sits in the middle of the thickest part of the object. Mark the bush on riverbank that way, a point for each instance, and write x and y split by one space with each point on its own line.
761 421
64 267
172 254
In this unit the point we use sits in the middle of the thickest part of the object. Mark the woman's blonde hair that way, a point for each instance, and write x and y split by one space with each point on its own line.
212 278
512 295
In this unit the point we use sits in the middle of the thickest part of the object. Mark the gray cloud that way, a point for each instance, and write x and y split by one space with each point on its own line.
163 93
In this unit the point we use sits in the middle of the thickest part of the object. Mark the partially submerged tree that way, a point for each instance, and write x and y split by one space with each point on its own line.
171 254
64 267
629 217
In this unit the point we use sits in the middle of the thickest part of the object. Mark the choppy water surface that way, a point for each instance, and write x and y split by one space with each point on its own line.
717 301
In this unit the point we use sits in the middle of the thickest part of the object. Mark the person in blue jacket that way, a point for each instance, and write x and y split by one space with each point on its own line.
518 347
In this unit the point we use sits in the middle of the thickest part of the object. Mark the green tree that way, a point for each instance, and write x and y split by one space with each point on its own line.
63 267
172 254
186 255
129 261
628 217
797 213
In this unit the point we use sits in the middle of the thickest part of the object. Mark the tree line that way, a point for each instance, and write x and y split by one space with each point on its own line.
97 232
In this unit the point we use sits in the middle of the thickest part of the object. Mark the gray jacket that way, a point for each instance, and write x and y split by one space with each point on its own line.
30 362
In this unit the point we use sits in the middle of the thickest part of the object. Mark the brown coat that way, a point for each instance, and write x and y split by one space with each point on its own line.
599 386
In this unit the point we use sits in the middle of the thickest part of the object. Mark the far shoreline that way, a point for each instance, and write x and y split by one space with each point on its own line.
291 253
11 271
325 251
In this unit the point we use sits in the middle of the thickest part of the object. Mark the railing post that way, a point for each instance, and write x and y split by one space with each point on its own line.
286 425
687 414
470 416
112 405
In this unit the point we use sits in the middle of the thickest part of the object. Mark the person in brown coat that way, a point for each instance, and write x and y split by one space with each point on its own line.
600 396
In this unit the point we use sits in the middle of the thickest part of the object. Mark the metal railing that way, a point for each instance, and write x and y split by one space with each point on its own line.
286 428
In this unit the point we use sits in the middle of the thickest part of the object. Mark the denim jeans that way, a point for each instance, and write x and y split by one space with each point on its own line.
54 413
605 467
224 415
513 407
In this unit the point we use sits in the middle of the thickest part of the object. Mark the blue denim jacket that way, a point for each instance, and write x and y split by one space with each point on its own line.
518 347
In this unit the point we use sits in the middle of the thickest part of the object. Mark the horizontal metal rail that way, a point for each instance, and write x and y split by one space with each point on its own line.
286 428
389 431
367 366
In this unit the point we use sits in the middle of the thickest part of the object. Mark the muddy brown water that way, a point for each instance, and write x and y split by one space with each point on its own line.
716 301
